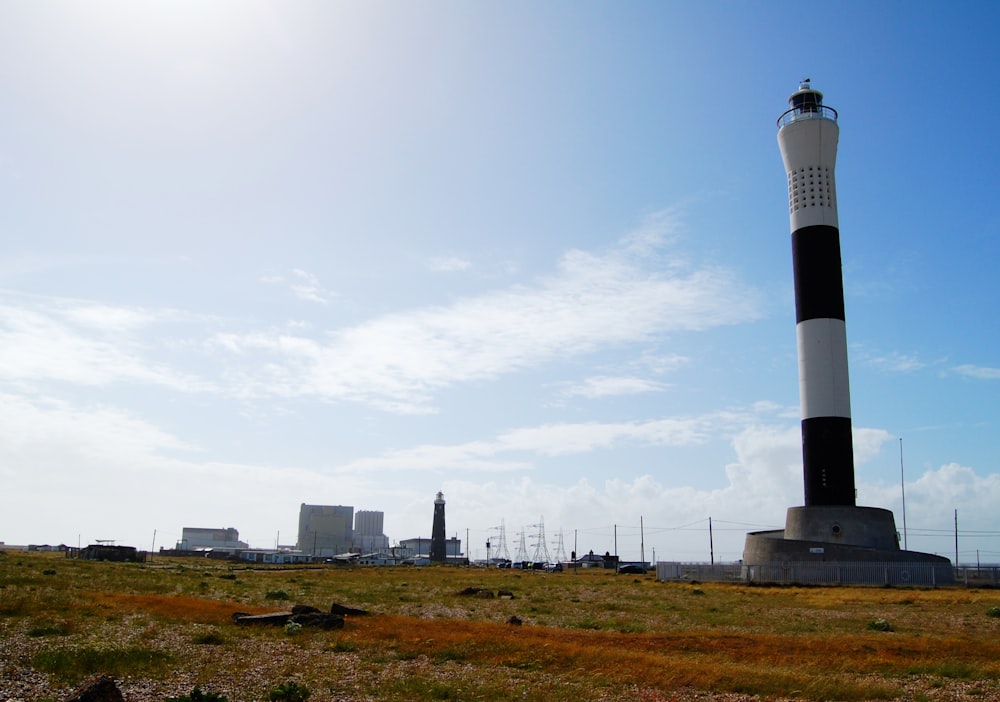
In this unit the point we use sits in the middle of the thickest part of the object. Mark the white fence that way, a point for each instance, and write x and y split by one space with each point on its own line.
819 573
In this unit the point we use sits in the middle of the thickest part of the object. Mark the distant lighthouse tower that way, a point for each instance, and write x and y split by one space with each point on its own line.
829 529
438 547
808 136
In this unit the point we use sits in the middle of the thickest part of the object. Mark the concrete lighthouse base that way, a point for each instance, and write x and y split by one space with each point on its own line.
849 545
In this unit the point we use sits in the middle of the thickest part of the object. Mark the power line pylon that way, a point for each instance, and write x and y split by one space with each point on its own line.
522 550
560 549
500 545
541 550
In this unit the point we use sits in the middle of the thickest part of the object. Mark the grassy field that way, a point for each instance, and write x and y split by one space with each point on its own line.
164 627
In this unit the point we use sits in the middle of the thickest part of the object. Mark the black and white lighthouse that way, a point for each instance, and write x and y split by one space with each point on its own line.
829 528
808 136
439 552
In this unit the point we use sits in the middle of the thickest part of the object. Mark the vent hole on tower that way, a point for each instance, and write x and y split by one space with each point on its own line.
835 529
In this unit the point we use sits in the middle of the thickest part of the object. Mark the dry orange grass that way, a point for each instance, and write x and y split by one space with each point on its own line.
178 608
774 664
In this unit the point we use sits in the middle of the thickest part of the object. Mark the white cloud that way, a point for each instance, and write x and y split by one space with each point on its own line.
108 318
398 361
97 432
655 231
980 372
954 486
83 344
515 449
563 439
303 285
448 264
306 286
931 502
894 362
662 363
767 475
605 386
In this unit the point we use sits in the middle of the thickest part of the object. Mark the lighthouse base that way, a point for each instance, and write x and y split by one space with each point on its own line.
839 544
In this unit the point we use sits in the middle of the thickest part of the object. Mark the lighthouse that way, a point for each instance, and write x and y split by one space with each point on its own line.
829 531
807 135
439 552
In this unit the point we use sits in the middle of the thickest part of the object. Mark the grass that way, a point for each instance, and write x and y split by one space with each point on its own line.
585 636
74 664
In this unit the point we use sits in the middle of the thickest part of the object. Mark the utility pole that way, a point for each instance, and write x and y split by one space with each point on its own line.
956 538
576 564
902 489
642 544
711 543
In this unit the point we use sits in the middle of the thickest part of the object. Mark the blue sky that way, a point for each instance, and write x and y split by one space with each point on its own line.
534 255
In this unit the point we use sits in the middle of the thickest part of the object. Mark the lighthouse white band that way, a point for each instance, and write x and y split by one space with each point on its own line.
809 151
823 380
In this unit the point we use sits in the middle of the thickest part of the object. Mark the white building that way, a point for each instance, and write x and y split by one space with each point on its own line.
195 538
368 536
415 548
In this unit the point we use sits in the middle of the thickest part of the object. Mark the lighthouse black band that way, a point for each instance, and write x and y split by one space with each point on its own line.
828 460
819 286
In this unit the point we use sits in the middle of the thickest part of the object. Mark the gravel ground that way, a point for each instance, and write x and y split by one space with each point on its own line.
245 670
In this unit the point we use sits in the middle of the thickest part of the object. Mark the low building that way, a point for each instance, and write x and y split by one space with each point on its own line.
108 552
278 557
418 549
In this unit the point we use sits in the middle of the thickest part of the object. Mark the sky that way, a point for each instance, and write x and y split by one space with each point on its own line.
535 255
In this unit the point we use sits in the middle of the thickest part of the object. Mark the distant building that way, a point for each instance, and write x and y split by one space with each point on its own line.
325 530
108 552
270 556
368 536
197 538
421 547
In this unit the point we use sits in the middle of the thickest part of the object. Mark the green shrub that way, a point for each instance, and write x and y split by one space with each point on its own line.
339 646
58 629
289 692
210 638
292 628
276 595
993 612
879 625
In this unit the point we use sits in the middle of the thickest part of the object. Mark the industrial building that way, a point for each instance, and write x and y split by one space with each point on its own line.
368 528
325 530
